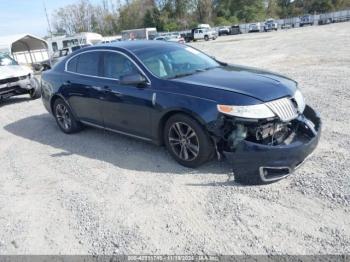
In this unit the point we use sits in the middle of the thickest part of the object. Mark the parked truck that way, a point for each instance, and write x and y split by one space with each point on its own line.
270 25
199 34
306 20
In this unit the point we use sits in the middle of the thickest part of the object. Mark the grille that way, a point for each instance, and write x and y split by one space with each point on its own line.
9 80
284 109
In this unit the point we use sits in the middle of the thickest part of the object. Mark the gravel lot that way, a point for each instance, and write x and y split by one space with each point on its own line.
98 192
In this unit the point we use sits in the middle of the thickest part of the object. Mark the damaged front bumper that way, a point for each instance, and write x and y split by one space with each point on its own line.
272 163
17 86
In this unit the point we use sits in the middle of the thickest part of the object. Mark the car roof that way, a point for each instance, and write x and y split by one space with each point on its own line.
137 45
128 46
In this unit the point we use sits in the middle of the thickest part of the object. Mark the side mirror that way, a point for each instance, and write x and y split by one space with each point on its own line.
133 79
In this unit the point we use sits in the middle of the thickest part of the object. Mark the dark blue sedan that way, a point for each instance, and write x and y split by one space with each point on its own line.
198 107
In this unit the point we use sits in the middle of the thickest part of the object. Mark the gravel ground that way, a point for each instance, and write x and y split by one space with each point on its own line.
96 192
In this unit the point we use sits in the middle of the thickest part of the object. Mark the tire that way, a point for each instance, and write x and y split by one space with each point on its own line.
64 117
193 143
206 38
35 92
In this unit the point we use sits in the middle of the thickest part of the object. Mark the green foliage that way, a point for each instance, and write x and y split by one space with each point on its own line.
273 9
321 6
171 26
221 21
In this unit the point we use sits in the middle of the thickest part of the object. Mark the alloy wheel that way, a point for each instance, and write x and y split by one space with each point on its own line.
63 117
183 141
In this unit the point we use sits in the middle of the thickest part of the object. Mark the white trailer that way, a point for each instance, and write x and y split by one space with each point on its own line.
140 34
58 43
111 39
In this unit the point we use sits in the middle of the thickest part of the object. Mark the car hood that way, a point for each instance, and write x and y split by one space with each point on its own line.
14 71
262 85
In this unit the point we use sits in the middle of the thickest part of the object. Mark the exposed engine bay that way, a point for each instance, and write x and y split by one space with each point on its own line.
230 131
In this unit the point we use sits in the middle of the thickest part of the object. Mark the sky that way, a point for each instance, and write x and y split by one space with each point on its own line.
28 16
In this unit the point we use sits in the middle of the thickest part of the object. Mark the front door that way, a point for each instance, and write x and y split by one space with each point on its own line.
126 108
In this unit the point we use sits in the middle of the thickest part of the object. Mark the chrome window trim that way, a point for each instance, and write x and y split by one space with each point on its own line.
101 77
265 179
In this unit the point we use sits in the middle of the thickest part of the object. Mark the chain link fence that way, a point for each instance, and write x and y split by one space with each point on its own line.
293 22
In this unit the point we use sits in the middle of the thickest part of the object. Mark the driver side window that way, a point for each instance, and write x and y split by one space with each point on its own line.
116 65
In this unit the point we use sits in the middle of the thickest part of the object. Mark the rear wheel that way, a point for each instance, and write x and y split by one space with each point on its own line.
187 141
64 117
206 38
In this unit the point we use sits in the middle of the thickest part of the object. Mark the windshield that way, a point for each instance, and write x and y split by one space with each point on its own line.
175 61
5 60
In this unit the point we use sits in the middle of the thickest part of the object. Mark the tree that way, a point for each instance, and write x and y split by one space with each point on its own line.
273 9
321 6
112 16
204 12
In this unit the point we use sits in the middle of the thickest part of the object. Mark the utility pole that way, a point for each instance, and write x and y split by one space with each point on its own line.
47 19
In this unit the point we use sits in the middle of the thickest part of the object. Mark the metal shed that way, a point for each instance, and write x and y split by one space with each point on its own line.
25 48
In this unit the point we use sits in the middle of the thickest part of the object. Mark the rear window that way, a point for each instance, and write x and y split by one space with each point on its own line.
87 64
72 65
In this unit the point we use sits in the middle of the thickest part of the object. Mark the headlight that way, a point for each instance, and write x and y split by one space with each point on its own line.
252 111
299 98
23 77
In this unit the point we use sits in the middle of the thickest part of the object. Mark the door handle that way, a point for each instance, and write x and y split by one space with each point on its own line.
67 83
98 88
107 88
116 93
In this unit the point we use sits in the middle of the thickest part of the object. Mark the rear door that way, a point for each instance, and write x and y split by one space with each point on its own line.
83 86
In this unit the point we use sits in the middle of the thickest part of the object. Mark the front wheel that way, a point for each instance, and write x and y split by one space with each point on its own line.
35 92
206 38
64 117
187 141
